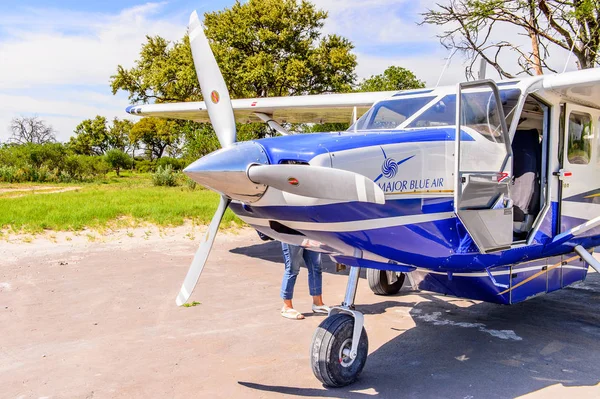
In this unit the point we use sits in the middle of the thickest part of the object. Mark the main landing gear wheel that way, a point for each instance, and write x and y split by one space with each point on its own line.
330 351
380 284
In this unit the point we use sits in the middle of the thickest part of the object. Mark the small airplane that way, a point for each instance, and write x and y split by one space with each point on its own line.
484 190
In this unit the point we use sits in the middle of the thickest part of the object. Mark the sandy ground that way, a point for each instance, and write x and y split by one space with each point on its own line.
80 318
16 192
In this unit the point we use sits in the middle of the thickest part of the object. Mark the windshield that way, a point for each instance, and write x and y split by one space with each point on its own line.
391 113
479 108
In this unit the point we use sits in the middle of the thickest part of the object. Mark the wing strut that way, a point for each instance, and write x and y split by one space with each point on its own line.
268 119
588 257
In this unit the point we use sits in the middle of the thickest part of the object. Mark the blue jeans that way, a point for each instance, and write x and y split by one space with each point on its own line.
292 256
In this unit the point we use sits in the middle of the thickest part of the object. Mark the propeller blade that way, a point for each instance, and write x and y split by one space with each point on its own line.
318 182
193 274
213 87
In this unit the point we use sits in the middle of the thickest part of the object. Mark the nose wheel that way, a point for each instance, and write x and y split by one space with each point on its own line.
340 345
331 351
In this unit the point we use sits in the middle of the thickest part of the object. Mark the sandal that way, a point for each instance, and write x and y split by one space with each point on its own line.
291 314
320 309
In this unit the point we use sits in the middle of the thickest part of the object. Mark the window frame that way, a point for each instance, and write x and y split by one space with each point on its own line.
590 153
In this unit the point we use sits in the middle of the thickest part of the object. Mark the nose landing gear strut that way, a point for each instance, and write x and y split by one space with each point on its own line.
340 345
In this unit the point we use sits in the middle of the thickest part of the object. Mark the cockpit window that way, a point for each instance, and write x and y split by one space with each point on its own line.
442 113
479 112
391 113
478 109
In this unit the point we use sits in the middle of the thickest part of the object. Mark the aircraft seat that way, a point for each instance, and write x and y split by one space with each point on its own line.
525 192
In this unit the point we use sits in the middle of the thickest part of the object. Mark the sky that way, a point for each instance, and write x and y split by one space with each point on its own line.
56 57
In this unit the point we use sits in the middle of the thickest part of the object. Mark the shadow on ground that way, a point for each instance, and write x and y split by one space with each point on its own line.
270 251
482 350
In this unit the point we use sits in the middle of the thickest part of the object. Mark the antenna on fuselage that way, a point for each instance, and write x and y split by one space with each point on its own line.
450 55
482 68
571 51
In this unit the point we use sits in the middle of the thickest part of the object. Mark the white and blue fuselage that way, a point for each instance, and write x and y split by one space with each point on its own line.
417 229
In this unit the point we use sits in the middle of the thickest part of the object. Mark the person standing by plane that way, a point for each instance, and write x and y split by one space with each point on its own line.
293 256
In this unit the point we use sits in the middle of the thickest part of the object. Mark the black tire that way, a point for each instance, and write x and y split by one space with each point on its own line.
379 284
333 333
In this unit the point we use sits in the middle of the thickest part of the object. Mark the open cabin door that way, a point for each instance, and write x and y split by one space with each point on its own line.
483 166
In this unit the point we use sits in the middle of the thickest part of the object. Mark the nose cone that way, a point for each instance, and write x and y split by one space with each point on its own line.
224 171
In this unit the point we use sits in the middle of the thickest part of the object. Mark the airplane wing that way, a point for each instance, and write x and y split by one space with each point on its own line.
582 87
319 108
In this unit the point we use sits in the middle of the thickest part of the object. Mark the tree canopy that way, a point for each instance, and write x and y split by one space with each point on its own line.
157 135
163 73
393 78
476 27
263 47
96 137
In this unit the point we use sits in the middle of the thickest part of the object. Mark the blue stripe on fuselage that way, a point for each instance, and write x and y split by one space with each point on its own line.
304 147
346 211
592 197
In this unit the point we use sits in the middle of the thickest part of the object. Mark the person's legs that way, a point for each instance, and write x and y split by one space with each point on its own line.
315 279
289 276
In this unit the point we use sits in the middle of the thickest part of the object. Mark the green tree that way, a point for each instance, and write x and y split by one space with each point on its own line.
393 78
119 134
117 159
263 47
157 135
91 137
96 136
473 26
276 48
164 73
200 138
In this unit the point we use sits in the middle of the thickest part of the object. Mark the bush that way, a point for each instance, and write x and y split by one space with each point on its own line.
175 163
191 184
145 166
52 162
164 176
99 166
8 174
117 159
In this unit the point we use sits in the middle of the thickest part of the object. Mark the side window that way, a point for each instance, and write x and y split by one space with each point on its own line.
579 146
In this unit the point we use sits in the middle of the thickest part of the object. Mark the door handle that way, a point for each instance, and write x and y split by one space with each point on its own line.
562 174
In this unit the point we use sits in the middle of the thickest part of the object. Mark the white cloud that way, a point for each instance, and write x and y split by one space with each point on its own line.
52 51
426 67
393 24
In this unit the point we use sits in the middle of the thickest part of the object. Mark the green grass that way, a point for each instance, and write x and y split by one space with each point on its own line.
189 305
108 203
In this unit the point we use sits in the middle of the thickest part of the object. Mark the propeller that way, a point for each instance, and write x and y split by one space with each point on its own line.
304 180
318 182
218 105
213 87
193 274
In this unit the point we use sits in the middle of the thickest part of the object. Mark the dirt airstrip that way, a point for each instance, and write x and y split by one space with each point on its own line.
82 318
